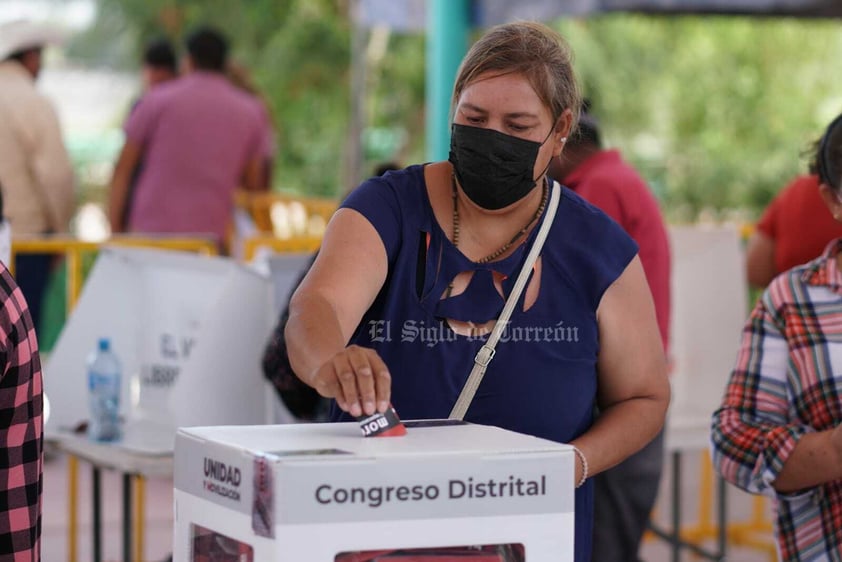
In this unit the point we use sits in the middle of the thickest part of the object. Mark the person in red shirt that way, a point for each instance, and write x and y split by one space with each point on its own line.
794 229
625 494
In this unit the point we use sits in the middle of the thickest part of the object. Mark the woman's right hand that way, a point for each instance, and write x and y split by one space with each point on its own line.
357 378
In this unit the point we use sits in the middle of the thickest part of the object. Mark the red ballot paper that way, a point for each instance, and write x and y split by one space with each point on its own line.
387 424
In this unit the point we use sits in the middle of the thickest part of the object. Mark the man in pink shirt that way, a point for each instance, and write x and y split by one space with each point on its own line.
625 494
199 138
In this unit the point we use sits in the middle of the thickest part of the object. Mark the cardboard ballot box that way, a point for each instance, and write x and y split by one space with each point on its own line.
323 493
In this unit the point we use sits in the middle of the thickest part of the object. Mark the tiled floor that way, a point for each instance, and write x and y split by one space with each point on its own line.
158 500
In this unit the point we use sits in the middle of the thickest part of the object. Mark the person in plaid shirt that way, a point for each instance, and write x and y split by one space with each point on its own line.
778 431
21 427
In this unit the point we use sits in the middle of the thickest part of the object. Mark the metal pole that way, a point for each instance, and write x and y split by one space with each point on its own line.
127 518
97 514
448 26
722 540
676 506
140 523
72 505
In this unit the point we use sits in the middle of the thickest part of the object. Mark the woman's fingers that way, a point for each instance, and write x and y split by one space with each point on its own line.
358 379
362 367
382 382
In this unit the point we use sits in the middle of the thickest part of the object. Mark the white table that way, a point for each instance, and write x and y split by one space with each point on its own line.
145 452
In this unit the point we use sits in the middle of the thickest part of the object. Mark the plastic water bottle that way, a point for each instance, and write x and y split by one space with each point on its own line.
104 393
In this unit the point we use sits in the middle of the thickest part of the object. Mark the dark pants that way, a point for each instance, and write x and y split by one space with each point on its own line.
623 499
32 271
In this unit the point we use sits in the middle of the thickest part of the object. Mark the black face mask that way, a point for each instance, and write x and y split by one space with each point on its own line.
494 169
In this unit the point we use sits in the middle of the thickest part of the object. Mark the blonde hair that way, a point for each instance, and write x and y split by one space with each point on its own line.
533 50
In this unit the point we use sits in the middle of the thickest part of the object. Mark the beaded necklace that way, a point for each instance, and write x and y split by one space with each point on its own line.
508 244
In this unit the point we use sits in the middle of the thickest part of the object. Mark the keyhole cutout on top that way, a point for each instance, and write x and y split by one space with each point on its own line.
463 279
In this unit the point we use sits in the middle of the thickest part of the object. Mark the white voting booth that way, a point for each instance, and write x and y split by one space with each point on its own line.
709 309
190 332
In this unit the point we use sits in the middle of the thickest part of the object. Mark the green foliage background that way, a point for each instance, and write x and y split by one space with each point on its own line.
717 112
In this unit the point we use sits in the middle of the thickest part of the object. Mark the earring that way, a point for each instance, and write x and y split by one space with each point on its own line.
563 139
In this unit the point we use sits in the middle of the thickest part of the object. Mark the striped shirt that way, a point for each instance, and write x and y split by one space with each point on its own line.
787 383
21 425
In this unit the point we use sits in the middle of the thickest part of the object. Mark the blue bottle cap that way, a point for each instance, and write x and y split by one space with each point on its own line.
104 344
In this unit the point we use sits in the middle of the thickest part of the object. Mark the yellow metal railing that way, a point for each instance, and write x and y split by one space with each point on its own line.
286 216
253 244
73 249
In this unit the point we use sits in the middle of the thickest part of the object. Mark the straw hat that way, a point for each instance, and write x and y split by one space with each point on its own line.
20 35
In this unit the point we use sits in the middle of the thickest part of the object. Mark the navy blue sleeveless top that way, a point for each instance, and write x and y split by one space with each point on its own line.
542 380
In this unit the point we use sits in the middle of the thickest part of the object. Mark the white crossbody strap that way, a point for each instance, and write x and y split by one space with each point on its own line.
486 352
